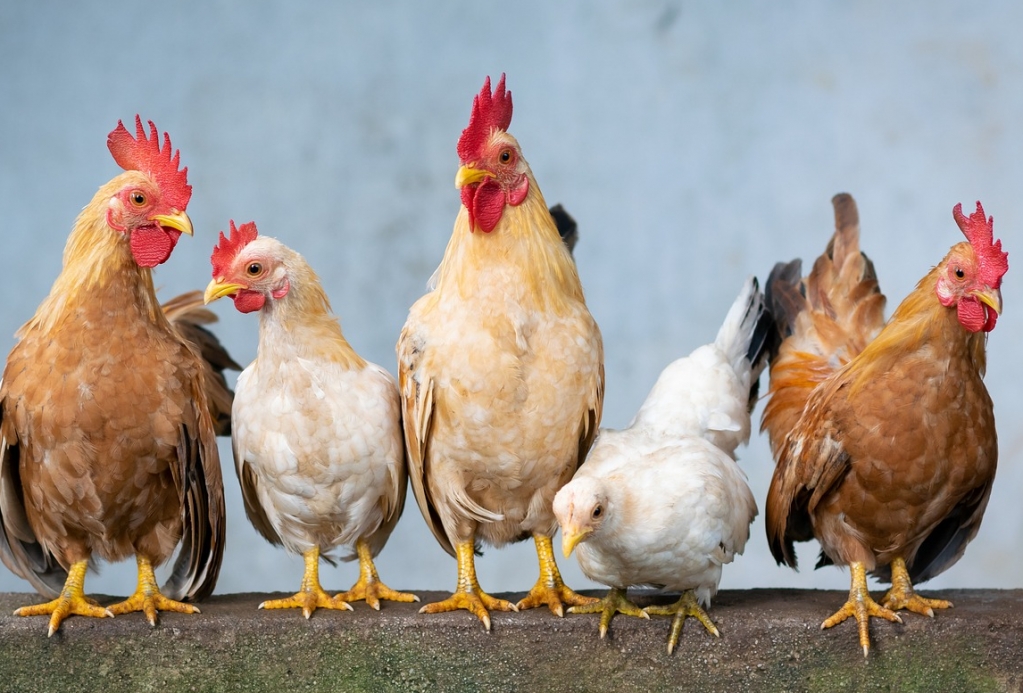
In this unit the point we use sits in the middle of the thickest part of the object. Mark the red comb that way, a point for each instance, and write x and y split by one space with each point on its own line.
225 251
144 154
979 230
489 112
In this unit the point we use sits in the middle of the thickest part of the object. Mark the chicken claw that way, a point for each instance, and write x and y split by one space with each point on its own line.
614 603
549 588
687 605
310 596
369 587
147 597
469 595
72 600
902 595
861 606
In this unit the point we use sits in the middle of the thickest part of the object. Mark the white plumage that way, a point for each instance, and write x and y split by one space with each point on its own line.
316 429
663 502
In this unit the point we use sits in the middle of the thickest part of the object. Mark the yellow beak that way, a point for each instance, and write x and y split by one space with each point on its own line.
469 174
175 220
216 289
571 537
989 297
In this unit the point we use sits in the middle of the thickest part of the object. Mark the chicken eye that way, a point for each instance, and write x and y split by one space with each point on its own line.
254 269
505 156
597 512
138 199
959 273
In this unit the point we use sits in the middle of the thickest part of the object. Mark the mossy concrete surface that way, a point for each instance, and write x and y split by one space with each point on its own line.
770 641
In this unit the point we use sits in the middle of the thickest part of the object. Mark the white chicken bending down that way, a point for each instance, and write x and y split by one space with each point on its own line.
663 502
316 429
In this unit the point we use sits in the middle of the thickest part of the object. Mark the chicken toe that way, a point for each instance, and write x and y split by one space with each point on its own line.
147 597
369 587
614 603
862 606
310 596
72 600
469 595
902 595
687 605
549 588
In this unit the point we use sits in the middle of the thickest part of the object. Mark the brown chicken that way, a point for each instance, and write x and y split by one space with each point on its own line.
500 369
107 443
883 433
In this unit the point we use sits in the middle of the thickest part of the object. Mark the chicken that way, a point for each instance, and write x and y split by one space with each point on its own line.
500 370
107 443
883 433
663 502
317 436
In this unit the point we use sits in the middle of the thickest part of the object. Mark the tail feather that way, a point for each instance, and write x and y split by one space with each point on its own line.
188 315
568 229
738 329
823 320
747 335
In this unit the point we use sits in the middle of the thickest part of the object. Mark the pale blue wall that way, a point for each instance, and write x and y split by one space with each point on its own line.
695 143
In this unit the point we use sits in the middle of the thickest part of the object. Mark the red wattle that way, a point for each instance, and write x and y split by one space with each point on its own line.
152 245
971 313
488 205
247 301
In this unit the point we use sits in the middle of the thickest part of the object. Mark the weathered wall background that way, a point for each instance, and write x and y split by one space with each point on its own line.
694 143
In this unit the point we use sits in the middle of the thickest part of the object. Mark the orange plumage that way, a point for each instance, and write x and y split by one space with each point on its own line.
107 408
883 432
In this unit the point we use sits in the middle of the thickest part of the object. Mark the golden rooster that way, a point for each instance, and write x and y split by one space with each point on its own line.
316 433
107 444
500 369
884 433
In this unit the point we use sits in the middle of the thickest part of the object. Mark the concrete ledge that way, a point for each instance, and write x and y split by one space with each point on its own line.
770 640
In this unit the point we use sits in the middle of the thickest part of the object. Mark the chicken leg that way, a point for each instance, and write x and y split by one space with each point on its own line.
469 595
687 605
369 587
549 588
310 596
72 600
861 606
147 597
902 596
614 603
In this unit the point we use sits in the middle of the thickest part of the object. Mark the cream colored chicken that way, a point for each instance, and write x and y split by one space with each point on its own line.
663 502
316 429
501 370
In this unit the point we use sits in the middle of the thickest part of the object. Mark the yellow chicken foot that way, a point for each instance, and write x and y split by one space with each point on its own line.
72 600
614 603
147 597
861 606
549 588
310 596
902 595
369 587
469 595
687 605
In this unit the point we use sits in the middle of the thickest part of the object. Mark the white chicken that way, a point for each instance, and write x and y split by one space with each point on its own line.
316 429
663 502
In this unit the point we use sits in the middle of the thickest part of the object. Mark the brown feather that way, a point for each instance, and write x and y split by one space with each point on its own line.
106 419
892 451
188 316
